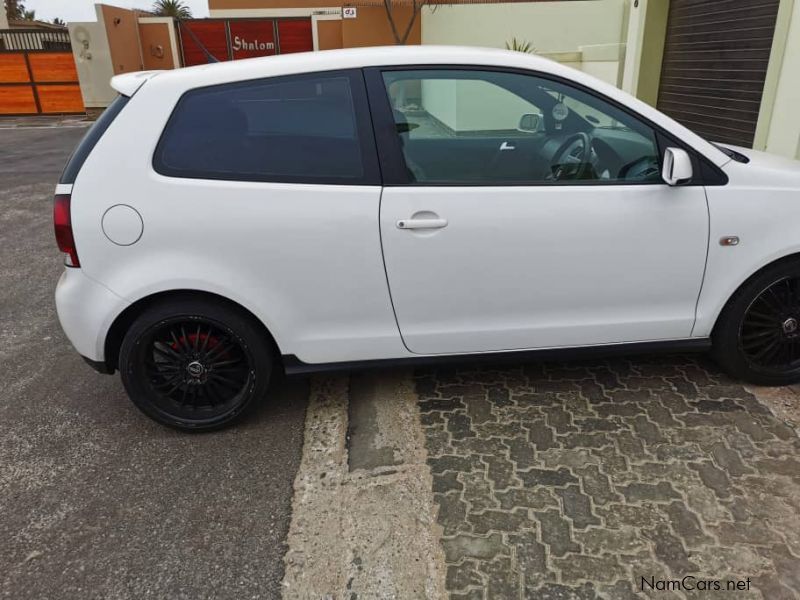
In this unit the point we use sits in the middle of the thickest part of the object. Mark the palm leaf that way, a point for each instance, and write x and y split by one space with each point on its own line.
172 8
520 46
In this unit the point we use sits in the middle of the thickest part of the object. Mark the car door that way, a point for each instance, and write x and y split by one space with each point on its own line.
563 235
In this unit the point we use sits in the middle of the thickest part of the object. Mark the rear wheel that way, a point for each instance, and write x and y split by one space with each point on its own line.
194 364
757 337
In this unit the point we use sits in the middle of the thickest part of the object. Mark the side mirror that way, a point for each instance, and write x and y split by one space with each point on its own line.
677 167
529 123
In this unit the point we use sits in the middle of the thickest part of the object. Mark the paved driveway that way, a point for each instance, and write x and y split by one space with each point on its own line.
610 479
95 499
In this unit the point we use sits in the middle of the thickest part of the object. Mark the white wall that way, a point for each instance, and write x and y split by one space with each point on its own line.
548 26
505 108
604 61
584 34
588 35
461 105
634 41
783 136
439 99
93 61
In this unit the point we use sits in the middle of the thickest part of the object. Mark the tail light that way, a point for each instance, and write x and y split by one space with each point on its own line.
63 227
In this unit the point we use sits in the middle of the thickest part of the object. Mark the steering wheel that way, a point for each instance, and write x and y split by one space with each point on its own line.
571 160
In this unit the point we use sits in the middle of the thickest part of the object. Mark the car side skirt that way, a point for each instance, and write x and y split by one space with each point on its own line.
294 366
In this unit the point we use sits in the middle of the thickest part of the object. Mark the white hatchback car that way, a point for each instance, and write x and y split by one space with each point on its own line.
403 205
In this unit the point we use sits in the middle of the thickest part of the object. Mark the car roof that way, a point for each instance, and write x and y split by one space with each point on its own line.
181 80
328 60
349 58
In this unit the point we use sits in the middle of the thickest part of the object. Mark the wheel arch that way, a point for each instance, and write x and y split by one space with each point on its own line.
125 319
732 297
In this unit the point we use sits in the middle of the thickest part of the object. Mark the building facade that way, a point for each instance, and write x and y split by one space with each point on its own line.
729 69
120 41
363 23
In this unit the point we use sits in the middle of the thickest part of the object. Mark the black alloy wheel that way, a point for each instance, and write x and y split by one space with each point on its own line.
770 331
757 335
196 365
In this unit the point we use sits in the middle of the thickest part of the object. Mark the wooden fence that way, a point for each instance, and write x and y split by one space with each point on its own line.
39 77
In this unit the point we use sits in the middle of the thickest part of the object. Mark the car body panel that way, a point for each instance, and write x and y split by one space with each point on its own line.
303 258
128 84
761 206
86 309
540 267
307 259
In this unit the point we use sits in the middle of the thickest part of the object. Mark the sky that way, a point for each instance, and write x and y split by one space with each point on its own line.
83 10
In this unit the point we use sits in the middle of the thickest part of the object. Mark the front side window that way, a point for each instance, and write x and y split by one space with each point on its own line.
297 129
489 127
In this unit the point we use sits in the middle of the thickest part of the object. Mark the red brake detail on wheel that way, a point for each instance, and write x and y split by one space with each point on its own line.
192 338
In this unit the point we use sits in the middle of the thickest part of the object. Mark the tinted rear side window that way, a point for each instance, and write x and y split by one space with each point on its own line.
310 128
87 144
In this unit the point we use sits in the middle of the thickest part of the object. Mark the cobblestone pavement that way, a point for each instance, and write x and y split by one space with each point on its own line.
578 480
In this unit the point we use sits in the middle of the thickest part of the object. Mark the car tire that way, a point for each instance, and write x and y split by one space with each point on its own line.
195 364
757 336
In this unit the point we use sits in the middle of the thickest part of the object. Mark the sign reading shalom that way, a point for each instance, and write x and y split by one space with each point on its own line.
232 39
252 38
255 45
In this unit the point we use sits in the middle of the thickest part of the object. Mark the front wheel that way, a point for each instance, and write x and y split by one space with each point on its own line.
194 364
757 337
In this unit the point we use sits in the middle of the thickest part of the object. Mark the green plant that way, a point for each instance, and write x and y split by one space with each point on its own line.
172 8
520 46
15 10
29 15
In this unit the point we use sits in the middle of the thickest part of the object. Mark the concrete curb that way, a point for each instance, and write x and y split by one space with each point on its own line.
363 516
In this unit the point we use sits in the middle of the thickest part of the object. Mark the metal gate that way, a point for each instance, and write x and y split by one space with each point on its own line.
232 39
37 73
715 63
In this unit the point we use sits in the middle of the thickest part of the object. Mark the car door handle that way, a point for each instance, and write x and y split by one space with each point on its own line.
422 224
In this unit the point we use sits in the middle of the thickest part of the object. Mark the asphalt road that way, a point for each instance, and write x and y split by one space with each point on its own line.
95 499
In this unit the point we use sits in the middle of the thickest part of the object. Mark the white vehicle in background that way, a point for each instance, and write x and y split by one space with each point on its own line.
410 205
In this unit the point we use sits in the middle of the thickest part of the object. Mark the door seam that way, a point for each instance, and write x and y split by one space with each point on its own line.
705 265
386 273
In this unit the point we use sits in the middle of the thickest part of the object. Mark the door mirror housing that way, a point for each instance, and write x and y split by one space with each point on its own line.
677 168
530 123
